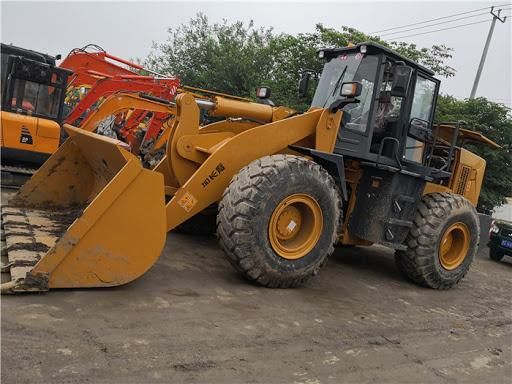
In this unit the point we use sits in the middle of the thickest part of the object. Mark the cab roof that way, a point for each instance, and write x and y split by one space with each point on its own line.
374 48
10 49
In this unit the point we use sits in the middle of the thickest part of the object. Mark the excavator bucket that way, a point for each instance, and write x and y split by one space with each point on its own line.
91 216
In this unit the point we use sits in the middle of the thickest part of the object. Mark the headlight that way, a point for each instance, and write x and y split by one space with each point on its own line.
494 228
262 92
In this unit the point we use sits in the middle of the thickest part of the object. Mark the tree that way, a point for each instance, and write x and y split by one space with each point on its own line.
235 58
230 58
494 121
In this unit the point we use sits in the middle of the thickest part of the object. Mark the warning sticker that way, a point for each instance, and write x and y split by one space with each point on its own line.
291 226
187 201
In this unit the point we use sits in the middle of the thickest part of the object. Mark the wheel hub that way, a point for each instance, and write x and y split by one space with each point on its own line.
454 246
295 226
289 222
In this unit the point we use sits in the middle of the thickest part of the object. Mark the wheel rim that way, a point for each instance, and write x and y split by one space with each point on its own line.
454 246
295 226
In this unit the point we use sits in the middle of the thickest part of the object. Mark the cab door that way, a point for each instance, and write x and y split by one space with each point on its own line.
420 119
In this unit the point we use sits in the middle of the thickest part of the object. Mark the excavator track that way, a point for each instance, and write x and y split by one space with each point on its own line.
15 176
27 235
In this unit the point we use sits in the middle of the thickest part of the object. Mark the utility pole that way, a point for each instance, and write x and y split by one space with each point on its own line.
486 48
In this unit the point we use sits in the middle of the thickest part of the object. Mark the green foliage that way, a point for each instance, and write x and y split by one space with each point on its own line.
494 121
235 58
230 58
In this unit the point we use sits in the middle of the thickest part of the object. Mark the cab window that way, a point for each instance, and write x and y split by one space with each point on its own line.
347 68
356 116
422 104
40 99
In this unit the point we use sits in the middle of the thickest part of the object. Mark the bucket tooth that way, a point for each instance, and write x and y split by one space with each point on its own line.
29 235
5 268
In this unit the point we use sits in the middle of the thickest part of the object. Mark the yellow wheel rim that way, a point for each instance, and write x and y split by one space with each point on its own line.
454 246
295 226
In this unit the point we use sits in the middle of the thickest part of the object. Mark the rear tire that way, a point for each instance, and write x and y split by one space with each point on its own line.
442 243
247 224
495 255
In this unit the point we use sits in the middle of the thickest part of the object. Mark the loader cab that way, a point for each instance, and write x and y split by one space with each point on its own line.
385 140
390 120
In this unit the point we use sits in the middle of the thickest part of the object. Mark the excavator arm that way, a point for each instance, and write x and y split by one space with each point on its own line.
92 61
121 102
108 86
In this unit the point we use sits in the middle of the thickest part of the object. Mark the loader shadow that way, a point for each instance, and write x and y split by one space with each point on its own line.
375 262
483 255
506 261
372 261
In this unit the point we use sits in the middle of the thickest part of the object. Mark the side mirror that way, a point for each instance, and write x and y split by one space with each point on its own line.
420 129
263 92
351 89
304 83
401 78
58 56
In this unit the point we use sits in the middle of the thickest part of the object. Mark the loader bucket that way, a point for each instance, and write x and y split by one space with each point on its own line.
91 216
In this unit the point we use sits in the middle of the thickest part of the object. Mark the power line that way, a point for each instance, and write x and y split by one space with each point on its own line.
432 25
436 19
441 29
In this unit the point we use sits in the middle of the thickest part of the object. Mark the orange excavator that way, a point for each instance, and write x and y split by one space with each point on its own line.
36 101
98 74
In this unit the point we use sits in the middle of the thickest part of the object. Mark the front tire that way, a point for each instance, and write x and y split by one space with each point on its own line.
278 220
442 243
495 255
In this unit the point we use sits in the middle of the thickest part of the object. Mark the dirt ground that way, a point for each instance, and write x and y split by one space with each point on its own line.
192 319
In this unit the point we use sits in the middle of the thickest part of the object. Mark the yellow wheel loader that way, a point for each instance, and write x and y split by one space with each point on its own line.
364 165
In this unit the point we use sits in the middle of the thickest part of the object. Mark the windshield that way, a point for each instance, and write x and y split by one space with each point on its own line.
346 68
37 88
36 98
338 70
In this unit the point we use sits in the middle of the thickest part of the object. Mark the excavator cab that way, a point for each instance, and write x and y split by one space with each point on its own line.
33 91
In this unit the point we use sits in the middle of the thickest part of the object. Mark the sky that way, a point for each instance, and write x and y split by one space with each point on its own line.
127 29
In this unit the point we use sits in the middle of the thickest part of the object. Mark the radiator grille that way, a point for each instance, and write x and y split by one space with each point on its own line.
463 180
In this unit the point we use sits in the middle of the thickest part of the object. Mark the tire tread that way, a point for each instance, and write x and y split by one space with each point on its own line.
240 201
416 262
